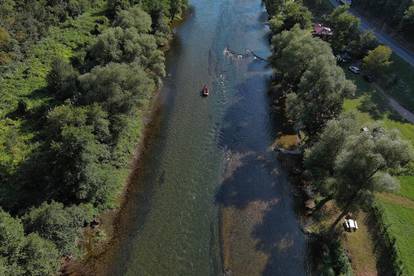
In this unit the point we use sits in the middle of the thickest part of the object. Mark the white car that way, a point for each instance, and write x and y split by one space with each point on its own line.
354 69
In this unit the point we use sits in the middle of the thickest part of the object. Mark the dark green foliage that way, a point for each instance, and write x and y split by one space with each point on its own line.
75 118
345 26
129 45
293 13
363 44
329 256
314 85
39 256
377 61
11 237
25 22
397 13
59 224
62 80
118 87
134 17
24 255
320 95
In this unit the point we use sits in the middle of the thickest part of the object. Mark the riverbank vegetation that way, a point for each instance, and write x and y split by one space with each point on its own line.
347 160
77 80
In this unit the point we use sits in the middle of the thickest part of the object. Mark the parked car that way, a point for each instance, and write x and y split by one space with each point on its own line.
354 69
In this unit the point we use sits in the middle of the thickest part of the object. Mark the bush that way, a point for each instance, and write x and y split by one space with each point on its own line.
59 224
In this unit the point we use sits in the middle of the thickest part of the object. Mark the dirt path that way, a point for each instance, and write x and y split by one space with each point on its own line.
396 199
360 247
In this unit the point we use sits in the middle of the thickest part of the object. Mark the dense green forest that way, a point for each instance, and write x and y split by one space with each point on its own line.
77 77
397 13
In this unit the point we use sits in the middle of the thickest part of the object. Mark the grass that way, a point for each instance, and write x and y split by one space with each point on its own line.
398 208
407 186
400 220
361 248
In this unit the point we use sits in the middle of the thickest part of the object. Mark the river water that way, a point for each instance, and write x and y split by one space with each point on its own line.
210 196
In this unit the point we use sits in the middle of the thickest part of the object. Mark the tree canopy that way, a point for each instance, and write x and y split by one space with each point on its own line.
359 161
378 60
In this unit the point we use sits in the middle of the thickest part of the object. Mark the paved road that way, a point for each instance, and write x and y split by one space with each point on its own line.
383 37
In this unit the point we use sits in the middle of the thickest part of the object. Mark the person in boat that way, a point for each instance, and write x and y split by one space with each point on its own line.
205 90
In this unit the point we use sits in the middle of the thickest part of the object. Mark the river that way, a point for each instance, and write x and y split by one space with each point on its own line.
210 196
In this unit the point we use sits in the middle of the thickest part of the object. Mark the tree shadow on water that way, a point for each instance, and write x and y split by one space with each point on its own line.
280 238
245 183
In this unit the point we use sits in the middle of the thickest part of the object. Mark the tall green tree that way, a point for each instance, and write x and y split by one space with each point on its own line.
320 95
39 257
354 164
59 224
378 60
118 87
62 80
292 13
293 51
345 28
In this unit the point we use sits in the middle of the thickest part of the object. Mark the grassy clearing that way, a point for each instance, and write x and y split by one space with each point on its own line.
407 186
361 248
400 220
398 208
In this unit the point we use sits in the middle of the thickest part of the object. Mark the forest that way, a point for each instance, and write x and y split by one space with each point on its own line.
399 14
77 78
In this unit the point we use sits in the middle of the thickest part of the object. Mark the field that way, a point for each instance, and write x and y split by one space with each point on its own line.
370 107
400 217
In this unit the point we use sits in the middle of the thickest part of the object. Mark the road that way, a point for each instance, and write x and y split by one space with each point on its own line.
383 37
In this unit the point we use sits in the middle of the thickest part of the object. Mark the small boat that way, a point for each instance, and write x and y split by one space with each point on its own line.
205 91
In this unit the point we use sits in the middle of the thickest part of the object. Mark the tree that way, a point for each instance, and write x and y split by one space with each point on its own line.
378 60
11 237
24 255
319 159
292 13
365 43
362 166
320 95
345 28
126 46
293 51
118 87
176 8
39 257
134 17
62 79
348 164
56 223
274 6
114 6
408 19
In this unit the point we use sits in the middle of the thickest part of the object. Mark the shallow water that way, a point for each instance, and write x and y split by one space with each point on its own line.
211 154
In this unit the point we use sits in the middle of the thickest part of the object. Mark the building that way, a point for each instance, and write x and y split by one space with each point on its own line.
322 31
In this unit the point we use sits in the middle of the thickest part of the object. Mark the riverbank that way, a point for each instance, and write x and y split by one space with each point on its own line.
99 252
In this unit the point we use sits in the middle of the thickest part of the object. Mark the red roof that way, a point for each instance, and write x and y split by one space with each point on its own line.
319 29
